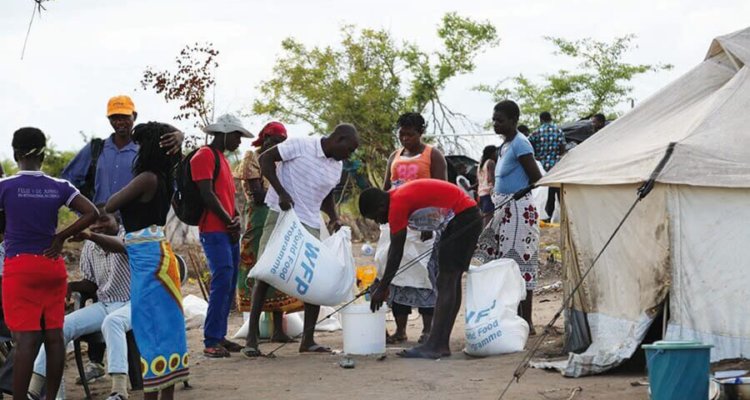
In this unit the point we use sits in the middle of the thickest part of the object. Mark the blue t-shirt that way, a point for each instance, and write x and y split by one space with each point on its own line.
114 169
31 200
510 176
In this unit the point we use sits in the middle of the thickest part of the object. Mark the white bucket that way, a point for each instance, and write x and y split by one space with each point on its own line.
364 331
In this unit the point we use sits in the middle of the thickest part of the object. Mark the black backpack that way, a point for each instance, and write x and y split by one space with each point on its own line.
186 201
88 189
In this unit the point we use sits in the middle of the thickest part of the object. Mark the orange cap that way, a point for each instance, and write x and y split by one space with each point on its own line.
121 105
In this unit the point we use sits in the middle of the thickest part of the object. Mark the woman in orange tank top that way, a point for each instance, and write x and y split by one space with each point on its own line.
415 160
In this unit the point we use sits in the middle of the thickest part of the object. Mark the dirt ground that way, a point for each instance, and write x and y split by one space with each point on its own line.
300 376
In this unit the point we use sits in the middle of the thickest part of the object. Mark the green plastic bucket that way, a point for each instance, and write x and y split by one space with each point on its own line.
678 370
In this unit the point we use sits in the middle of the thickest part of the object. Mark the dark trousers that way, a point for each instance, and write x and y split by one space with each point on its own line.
552 194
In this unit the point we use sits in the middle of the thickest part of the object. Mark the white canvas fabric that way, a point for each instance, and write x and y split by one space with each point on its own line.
704 111
685 241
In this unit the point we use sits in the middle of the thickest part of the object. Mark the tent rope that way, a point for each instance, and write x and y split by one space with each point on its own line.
642 192
37 6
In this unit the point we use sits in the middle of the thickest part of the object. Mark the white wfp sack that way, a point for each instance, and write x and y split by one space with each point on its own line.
195 310
299 265
294 324
340 243
416 276
493 292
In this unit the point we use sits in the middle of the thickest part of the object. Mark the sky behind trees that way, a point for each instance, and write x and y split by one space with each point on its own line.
81 52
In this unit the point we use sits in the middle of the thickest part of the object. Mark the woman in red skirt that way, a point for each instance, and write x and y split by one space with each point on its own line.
35 280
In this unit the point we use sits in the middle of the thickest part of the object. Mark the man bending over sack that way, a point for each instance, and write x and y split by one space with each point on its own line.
308 170
455 250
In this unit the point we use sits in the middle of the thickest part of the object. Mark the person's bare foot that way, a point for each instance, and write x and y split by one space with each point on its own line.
396 338
423 351
313 348
281 337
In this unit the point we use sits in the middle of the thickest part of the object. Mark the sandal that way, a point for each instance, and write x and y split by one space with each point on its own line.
251 352
395 339
216 351
316 348
231 347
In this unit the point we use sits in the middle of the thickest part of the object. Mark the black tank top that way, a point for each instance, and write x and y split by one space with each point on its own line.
138 215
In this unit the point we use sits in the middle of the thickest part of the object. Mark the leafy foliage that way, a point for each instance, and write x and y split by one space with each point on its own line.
55 160
599 83
369 79
189 83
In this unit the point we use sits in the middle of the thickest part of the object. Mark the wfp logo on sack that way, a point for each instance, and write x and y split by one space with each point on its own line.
308 268
487 331
293 247
474 317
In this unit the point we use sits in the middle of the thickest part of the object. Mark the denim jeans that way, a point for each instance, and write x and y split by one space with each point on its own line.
223 257
112 319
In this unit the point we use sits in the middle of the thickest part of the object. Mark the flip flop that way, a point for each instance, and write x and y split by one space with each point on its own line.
316 348
251 352
217 351
412 353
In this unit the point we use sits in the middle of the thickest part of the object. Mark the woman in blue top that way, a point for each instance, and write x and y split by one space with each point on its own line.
514 229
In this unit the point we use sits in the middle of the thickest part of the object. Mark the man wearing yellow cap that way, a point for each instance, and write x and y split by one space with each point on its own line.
107 164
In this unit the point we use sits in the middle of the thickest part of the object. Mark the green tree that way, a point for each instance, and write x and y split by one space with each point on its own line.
368 79
599 84
55 160
9 167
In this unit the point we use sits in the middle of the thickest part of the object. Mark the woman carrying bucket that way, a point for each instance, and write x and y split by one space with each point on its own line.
513 231
416 160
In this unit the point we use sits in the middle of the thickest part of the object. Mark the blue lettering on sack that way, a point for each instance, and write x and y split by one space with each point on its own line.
480 315
288 253
308 268
478 338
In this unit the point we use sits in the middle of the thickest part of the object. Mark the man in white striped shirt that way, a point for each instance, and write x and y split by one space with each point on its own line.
308 170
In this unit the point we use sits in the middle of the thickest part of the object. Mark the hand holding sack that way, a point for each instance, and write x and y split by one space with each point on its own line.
300 265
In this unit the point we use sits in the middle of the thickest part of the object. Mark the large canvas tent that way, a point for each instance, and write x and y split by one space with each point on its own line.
686 242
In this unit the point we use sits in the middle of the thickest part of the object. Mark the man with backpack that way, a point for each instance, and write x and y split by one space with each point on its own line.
219 227
102 168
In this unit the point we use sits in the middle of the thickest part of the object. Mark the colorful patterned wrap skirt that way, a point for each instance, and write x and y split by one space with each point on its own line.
156 301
